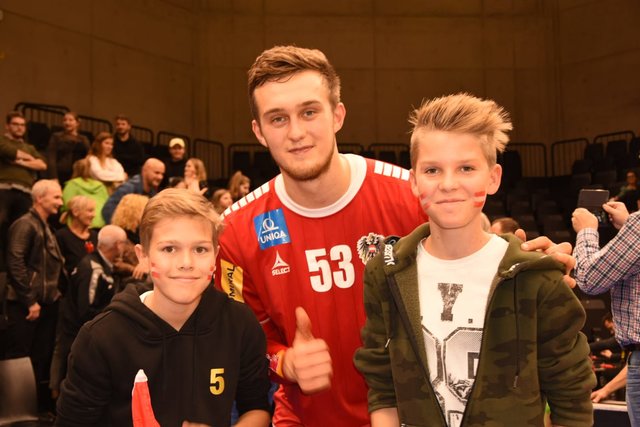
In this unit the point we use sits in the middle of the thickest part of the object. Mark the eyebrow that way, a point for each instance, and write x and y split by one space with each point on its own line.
173 242
279 110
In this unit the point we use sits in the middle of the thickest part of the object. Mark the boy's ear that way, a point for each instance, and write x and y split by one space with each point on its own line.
495 177
142 257
414 183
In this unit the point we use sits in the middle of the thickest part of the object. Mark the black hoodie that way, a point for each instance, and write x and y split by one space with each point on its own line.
220 349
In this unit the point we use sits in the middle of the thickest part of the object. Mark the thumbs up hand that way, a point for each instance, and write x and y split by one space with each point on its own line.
307 361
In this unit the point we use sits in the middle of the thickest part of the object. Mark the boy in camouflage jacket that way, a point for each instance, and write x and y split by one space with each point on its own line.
463 328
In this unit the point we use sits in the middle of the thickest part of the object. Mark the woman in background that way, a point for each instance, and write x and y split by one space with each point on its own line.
81 184
103 166
221 200
76 239
195 177
629 194
239 186
128 215
65 147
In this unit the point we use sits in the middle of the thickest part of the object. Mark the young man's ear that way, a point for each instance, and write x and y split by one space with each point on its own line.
143 259
257 131
495 179
339 113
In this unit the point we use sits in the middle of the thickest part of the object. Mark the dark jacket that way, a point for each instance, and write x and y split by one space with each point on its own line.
91 288
531 350
34 261
62 151
194 374
129 153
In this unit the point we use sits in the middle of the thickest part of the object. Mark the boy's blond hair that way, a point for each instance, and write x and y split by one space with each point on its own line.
177 202
281 62
463 113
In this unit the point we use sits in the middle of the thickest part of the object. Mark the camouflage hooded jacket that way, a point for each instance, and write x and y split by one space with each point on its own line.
531 348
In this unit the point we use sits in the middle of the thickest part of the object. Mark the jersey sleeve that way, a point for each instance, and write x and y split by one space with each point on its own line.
238 285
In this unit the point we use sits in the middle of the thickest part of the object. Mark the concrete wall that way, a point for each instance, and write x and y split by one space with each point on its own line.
562 68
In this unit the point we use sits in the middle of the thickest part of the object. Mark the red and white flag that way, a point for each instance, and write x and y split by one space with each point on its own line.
141 410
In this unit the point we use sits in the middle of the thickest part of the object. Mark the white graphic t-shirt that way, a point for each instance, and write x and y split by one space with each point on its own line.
453 299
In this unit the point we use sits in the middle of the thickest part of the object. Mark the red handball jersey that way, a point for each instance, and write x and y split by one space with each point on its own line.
276 255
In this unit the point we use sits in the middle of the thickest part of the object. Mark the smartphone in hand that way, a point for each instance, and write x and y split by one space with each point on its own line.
592 200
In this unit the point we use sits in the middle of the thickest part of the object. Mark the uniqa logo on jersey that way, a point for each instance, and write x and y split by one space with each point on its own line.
271 229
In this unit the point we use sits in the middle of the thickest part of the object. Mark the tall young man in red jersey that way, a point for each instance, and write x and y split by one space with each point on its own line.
295 248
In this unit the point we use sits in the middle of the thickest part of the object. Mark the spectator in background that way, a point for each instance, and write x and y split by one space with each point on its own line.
35 269
77 239
607 348
221 200
195 177
65 147
629 193
504 225
103 166
128 215
175 164
128 151
81 184
146 183
239 186
91 287
19 162
614 268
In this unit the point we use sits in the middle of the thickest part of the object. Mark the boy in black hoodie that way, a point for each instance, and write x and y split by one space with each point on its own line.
199 350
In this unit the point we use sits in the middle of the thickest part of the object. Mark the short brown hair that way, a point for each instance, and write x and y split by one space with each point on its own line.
122 117
507 224
177 202
463 113
12 115
281 62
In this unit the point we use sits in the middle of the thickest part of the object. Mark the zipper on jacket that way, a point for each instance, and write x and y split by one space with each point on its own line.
404 317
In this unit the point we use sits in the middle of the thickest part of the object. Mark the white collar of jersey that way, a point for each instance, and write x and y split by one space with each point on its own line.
358 167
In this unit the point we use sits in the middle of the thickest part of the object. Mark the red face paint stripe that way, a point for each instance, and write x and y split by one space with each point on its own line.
155 274
480 194
478 204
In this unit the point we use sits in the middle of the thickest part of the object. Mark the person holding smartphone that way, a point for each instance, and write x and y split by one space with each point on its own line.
614 268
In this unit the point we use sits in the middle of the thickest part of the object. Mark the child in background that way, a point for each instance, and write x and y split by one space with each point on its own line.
199 350
463 328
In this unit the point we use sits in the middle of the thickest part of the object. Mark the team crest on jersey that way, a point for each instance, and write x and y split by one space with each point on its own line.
368 246
279 267
271 229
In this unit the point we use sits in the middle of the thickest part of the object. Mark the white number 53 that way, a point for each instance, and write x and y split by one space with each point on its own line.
322 278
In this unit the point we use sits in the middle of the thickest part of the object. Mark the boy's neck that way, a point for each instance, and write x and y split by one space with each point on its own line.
456 243
174 314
